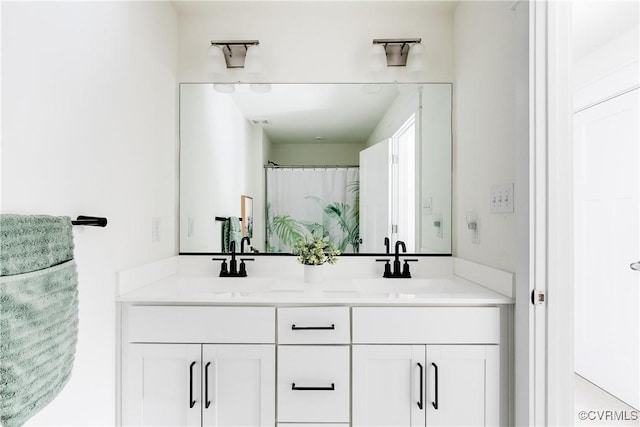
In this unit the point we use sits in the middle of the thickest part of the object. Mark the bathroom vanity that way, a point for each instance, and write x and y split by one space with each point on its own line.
355 350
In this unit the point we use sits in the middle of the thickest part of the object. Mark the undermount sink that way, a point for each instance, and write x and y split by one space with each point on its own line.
219 285
253 286
404 286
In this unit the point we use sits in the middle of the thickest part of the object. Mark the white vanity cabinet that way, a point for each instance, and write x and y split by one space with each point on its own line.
314 365
198 365
431 366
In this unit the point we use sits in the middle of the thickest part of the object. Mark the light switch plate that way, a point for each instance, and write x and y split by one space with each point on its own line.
155 229
501 198
427 206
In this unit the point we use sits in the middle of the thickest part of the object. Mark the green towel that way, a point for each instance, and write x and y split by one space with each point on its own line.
231 233
33 242
38 314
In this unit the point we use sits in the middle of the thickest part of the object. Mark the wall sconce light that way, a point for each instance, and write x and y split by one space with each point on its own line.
437 223
235 54
397 53
247 54
473 224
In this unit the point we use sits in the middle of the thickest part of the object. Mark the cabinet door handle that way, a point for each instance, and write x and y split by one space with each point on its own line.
294 387
207 402
191 401
435 403
303 328
420 403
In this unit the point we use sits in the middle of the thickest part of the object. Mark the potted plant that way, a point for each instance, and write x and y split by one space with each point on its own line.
312 252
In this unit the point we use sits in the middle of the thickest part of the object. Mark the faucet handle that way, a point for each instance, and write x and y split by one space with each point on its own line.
224 272
243 266
387 267
405 268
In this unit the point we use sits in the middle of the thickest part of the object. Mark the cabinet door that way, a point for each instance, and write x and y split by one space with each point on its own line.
162 385
463 385
238 385
387 382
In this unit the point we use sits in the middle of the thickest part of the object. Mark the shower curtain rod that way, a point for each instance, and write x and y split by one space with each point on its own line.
311 166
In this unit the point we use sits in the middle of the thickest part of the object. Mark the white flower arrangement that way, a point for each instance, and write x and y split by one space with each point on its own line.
315 251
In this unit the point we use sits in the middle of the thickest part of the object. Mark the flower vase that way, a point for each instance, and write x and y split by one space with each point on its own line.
312 274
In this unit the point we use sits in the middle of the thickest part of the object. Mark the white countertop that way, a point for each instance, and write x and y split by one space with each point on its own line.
279 281
289 291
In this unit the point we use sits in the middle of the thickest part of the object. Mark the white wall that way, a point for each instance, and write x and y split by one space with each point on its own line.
484 126
436 176
214 131
433 103
607 70
89 127
316 154
317 41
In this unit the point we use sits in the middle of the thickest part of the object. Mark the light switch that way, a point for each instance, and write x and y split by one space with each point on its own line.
427 206
155 229
501 198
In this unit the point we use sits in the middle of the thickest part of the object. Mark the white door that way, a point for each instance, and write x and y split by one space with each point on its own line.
607 241
375 182
163 385
406 184
463 385
238 385
386 385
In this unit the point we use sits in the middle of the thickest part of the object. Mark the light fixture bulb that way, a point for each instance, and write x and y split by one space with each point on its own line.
377 58
224 87
254 60
416 58
216 63
260 87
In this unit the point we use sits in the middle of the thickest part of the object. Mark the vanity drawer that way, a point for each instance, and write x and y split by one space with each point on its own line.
201 324
314 325
426 325
313 384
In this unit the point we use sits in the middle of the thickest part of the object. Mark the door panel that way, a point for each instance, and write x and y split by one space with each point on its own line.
386 385
463 385
607 241
158 390
375 181
239 384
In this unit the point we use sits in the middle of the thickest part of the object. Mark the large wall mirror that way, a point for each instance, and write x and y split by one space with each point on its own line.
353 162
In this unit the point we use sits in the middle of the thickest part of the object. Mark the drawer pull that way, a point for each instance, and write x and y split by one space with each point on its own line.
420 404
307 328
207 402
435 404
191 401
333 387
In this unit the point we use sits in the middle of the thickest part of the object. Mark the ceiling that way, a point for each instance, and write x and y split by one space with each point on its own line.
298 113
184 7
594 23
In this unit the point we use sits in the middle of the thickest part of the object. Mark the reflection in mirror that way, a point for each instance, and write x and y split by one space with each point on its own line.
355 162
